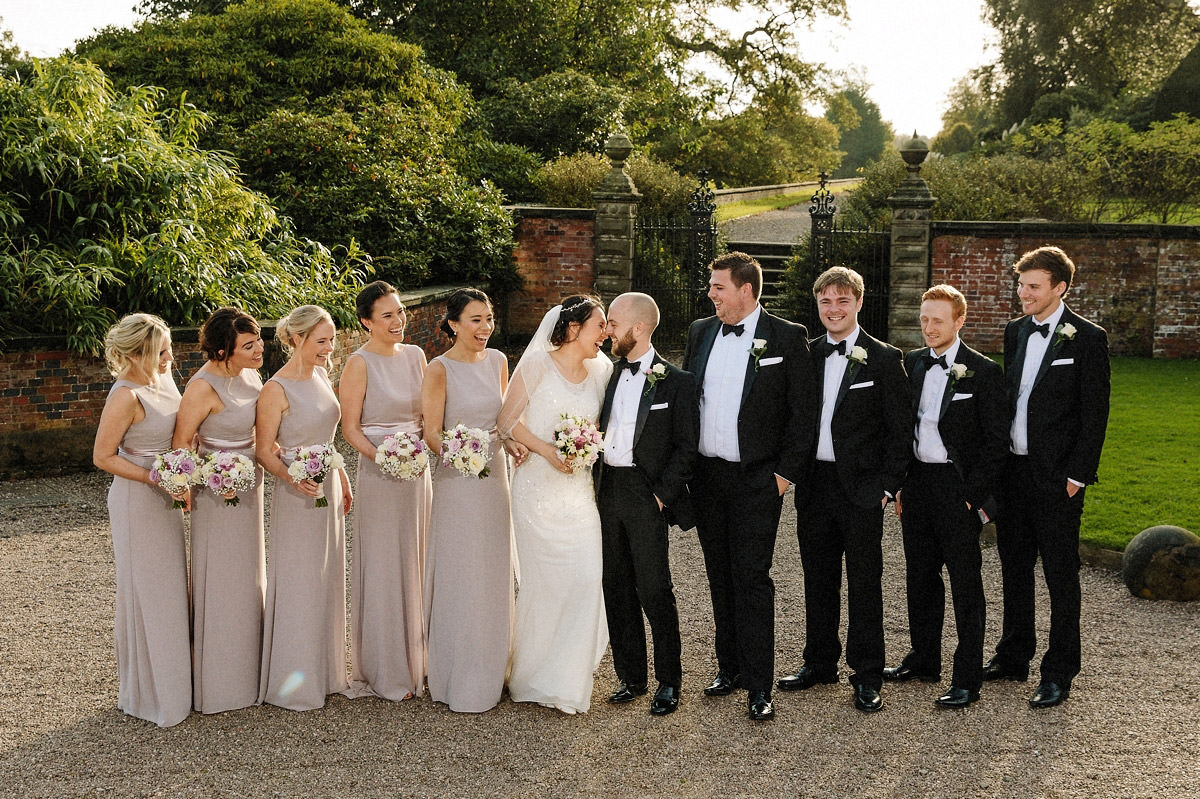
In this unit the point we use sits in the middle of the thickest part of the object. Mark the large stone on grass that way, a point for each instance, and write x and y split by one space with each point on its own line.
1163 562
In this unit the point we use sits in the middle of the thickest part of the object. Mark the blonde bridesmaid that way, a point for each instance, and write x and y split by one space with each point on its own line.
151 629
304 624
229 572
380 391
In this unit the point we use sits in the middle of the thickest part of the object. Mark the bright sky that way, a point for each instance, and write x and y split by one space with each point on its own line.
943 39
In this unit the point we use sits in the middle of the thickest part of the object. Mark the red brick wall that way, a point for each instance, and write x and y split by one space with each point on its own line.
51 399
555 255
1133 280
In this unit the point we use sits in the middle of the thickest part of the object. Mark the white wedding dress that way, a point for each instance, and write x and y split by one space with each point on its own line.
560 631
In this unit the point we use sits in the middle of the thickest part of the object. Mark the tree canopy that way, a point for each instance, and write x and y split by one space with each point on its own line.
862 133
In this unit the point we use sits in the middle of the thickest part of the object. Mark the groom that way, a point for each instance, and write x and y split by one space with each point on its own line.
757 418
651 423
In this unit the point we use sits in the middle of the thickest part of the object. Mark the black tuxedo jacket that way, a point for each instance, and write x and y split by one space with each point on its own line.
872 425
775 420
664 438
1068 404
973 422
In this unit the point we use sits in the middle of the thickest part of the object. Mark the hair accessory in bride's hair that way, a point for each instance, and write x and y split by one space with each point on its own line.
576 309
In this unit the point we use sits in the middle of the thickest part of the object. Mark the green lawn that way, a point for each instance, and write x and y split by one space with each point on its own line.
772 203
1150 469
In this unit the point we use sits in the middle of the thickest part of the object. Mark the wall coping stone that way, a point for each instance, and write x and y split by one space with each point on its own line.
548 212
1045 228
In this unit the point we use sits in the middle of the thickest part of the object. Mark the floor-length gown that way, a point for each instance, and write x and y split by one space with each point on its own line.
561 630
229 571
154 663
468 571
304 625
391 520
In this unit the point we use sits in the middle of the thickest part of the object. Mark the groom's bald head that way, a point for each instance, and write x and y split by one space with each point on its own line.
637 307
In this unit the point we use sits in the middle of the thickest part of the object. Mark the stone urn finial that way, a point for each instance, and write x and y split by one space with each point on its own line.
617 181
913 152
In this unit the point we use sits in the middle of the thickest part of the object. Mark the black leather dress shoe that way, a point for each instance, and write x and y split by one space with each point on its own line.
627 692
999 670
1049 694
903 673
806 677
759 704
957 697
723 684
666 699
867 699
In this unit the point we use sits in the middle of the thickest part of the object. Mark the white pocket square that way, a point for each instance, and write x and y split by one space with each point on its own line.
1062 362
863 385
958 397
660 406
770 361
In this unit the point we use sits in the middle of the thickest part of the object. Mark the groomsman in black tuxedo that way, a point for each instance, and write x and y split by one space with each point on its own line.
756 426
651 422
862 449
960 441
1057 372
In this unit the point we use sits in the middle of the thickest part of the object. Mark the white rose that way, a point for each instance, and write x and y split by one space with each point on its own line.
958 371
760 343
477 462
858 354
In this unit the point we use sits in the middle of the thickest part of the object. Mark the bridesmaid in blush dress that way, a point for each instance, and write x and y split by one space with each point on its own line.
151 629
468 570
380 391
229 572
304 624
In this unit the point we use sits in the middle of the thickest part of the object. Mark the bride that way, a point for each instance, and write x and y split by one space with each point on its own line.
560 630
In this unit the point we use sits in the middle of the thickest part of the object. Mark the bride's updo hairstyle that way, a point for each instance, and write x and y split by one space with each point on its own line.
218 335
576 309
456 304
300 322
135 341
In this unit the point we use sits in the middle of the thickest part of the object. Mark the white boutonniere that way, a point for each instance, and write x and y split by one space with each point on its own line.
655 373
858 355
757 348
957 372
1064 332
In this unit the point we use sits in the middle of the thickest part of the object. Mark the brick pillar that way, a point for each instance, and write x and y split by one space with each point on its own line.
909 275
616 207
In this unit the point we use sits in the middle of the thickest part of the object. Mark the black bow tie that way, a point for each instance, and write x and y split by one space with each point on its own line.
930 361
633 366
1044 329
830 348
736 330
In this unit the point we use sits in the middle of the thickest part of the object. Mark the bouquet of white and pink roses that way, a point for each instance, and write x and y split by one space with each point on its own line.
466 449
315 462
579 441
176 471
403 456
223 472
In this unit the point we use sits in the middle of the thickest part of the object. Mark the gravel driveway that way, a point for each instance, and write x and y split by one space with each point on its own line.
1129 729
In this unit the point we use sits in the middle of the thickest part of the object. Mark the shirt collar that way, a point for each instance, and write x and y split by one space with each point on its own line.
850 339
750 321
646 360
951 352
1053 318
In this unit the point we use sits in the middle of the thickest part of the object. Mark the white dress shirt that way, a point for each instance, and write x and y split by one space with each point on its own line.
721 400
835 370
928 446
622 419
1035 351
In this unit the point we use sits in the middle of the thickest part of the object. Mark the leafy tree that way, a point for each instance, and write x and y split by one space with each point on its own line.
1178 93
959 139
862 138
1106 46
554 114
109 206
348 130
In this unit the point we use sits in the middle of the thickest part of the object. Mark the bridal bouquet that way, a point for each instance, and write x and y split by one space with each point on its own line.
466 449
175 471
579 441
315 462
403 456
225 471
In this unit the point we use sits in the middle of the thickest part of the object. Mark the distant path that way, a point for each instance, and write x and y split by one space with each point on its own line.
784 226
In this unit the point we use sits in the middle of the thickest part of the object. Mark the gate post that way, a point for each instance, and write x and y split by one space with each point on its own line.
909 273
702 243
616 204
821 213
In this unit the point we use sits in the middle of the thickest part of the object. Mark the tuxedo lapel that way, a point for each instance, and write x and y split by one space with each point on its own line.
1024 329
609 392
917 380
1051 349
852 368
704 349
760 331
647 399
947 396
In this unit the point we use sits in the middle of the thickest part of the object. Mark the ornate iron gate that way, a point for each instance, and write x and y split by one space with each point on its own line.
670 260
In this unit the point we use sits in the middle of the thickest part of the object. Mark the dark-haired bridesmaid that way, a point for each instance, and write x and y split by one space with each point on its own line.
229 573
380 391
469 569
151 630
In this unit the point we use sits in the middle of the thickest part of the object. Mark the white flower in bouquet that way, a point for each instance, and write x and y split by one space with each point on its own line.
315 462
176 471
579 441
466 450
403 456
223 472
